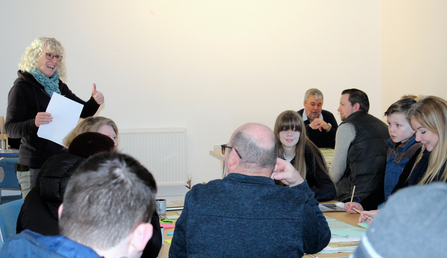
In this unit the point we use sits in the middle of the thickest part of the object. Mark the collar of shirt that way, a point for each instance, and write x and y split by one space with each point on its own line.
305 116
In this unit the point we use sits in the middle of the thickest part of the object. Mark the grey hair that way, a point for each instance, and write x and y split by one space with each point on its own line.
252 154
316 93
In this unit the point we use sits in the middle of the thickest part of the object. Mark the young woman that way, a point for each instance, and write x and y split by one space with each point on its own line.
402 146
428 119
295 147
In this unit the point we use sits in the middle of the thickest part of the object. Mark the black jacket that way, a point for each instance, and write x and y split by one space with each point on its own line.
366 159
319 181
39 210
26 98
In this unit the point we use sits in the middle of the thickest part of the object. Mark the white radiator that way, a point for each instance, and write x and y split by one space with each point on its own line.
162 151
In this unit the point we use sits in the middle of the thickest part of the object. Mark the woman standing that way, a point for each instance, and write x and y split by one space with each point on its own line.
295 147
40 72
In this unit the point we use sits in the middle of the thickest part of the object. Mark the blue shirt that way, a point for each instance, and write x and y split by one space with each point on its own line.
30 244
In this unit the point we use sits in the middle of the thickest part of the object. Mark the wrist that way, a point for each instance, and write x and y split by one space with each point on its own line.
329 127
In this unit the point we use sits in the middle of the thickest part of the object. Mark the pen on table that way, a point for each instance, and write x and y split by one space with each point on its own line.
368 217
353 191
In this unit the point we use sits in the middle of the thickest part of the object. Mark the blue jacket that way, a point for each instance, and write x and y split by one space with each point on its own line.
30 244
249 216
397 157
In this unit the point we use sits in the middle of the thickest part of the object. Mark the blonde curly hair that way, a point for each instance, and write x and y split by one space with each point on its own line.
35 51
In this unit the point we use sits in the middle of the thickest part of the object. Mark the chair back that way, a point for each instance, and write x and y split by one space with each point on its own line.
9 212
8 177
3 136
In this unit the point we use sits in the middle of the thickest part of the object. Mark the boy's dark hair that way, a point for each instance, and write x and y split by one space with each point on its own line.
400 106
107 197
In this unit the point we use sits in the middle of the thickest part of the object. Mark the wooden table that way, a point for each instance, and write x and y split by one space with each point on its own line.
348 218
345 217
217 154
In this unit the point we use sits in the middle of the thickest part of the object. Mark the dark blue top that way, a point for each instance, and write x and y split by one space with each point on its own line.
397 157
249 216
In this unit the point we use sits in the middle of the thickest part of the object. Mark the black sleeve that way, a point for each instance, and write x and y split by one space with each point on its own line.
375 198
90 107
21 111
319 181
35 216
154 245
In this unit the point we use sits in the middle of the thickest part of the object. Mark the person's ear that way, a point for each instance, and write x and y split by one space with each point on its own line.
233 161
140 236
59 210
356 107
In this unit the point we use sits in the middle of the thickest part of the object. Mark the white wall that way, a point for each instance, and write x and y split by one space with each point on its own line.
209 66
413 48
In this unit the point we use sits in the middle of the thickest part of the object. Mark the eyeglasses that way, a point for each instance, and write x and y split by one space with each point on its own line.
229 147
50 56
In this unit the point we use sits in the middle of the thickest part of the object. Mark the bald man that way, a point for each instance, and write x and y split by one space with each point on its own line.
246 214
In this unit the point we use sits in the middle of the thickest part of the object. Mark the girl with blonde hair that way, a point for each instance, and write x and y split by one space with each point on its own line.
428 118
98 124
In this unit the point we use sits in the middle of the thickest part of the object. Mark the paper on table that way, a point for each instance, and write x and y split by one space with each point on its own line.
337 206
340 245
65 113
342 230
173 217
344 237
363 224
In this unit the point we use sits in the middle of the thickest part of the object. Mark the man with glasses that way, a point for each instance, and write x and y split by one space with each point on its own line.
246 214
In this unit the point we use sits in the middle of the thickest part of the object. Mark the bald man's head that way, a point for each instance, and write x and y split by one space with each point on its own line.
256 144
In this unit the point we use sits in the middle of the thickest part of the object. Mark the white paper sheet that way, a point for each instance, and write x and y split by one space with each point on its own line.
65 113
338 206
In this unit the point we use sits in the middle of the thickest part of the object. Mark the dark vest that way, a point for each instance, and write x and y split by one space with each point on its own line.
365 165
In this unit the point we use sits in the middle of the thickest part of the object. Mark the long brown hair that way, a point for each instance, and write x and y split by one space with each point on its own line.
291 120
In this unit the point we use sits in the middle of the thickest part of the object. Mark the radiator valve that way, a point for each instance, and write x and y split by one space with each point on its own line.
188 183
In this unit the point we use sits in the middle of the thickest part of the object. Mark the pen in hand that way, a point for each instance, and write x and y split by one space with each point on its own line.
368 217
